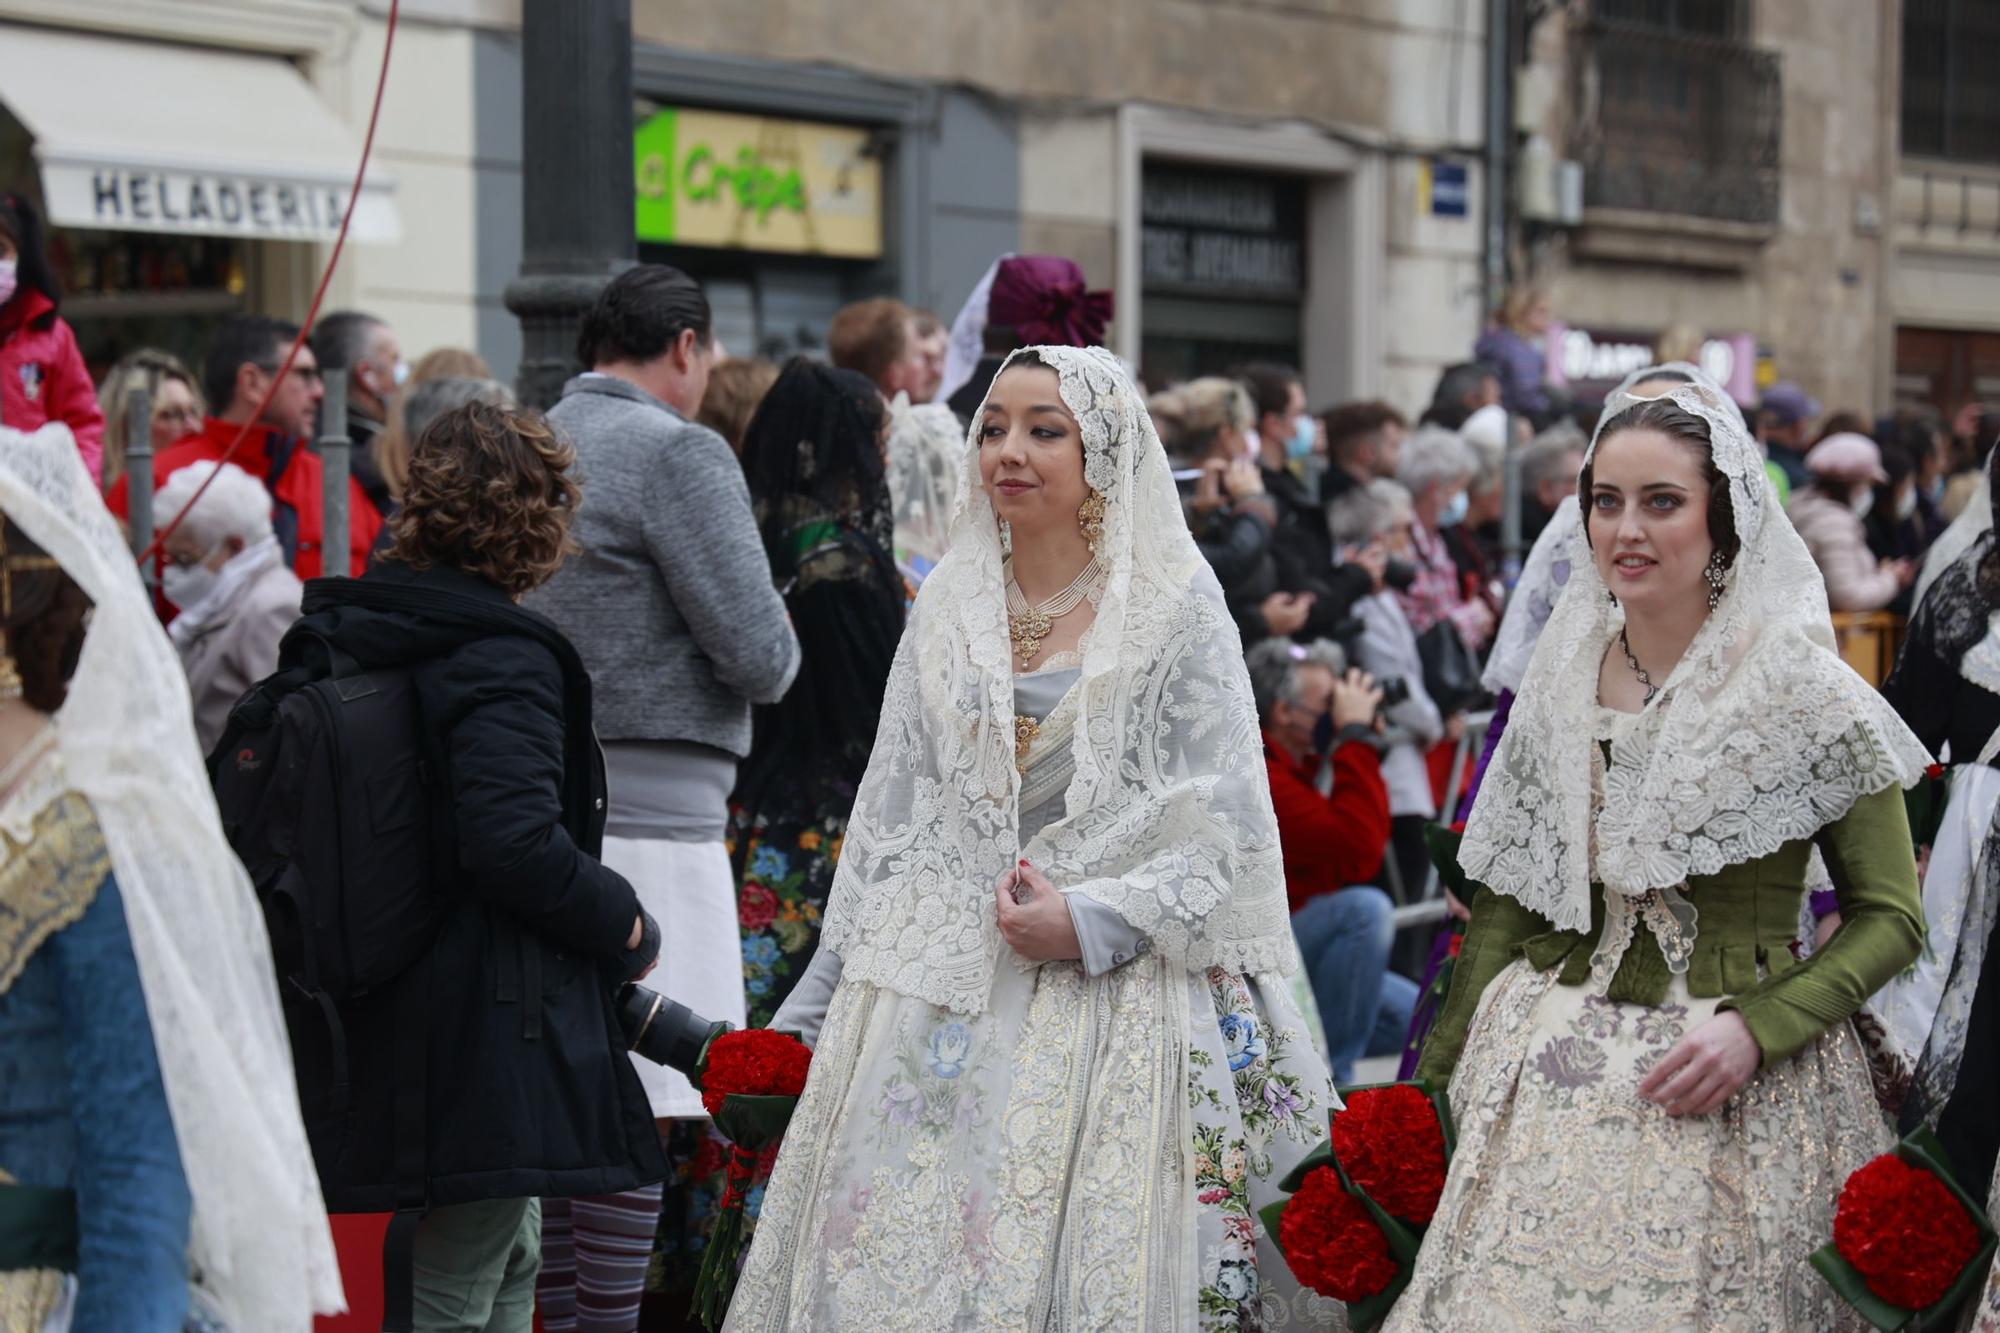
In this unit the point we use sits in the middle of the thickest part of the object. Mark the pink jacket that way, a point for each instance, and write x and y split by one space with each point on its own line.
1832 532
43 378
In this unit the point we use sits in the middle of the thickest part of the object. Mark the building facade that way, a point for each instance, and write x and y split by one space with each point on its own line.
1812 188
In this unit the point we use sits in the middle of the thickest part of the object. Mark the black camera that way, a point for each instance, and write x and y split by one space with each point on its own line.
1395 690
1399 574
665 1031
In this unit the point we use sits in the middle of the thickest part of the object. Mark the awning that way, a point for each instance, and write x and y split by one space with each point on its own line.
150 136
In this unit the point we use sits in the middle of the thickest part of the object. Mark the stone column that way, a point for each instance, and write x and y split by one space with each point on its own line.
576 178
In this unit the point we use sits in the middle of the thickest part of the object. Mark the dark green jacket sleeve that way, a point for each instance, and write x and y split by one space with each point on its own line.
1492 940
1868 854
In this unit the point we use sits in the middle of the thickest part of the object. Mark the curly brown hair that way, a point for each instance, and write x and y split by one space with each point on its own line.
44 624
490 495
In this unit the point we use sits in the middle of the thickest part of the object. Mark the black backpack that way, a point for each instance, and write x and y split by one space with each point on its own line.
332 798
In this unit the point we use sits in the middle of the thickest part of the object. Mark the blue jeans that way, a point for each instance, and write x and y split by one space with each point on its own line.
1344 937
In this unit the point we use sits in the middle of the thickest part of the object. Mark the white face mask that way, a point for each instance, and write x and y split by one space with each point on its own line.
185 585
1906 504
9 279
1864 501
1253 444
401 374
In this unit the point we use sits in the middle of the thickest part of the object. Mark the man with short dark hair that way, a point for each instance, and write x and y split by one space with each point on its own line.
1363 441
670 603
878 338
274 416
1462 390
366 348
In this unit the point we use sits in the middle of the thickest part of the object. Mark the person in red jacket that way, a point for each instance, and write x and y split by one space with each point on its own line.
42 375
1316 714
243 357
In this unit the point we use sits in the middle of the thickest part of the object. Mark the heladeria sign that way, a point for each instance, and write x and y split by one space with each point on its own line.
164 199
755 183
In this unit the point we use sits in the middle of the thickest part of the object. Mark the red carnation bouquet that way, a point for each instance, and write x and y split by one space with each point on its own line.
750 1083
1361 1202
1909 1247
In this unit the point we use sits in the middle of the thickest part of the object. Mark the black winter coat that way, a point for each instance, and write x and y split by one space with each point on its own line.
528 1088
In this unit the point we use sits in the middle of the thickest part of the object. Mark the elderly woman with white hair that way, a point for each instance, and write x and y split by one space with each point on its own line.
226 573
1383 511
1437 468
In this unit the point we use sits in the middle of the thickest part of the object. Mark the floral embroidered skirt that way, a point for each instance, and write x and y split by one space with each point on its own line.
1573 1204
1089 1153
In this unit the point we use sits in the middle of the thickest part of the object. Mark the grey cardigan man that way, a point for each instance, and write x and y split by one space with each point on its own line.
671 605
670 599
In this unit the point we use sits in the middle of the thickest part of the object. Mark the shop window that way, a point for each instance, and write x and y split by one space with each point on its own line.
1677 112
1951 79
1223 261
127 290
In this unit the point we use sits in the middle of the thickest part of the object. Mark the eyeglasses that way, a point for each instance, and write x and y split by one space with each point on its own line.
185 413
310 374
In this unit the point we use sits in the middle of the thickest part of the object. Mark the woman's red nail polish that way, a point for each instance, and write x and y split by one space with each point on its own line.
1024 862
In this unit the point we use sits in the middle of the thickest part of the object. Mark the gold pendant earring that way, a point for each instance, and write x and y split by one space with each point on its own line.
1090 521
12 686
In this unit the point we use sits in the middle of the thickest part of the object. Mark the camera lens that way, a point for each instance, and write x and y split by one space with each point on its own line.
1395 690
1399 574
664 1031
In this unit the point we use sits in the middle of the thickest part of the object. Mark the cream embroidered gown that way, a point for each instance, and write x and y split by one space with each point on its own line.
1089 1153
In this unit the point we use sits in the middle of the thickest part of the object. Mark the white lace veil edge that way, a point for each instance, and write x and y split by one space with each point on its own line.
966 345
1759 736
1168 813
1958 537
262 1256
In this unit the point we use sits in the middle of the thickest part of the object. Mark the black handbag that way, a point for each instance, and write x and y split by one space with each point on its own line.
1451 672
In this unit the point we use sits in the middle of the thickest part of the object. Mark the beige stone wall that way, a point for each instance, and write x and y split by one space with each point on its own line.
1378 64
1816 290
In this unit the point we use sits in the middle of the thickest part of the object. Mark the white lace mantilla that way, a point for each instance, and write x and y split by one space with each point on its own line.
1761 734
261 1256
1169 812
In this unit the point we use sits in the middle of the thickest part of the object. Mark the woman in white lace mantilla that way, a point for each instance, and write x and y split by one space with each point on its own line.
1657 1101
146 1088
1056 1068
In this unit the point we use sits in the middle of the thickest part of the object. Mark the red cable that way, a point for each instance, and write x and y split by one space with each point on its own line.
312 313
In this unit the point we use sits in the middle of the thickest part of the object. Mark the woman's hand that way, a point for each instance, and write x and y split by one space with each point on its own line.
1454 908
1034 917
1824 931
1705 1068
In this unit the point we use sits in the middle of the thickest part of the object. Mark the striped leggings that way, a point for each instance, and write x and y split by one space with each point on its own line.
594 1257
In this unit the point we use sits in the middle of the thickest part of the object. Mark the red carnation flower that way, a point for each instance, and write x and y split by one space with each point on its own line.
1331 1243
1457 826
756 906
1455 945
1392 1147
755 1062
1906 1234
1934 772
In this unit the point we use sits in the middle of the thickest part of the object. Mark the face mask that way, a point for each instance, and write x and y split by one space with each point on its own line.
185 585
1253 444
401 374
8 280
1323 733
1935 491
1455 512
1864 502
1907 504
1304 436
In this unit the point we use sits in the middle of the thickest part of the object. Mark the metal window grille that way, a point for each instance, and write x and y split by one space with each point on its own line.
1951 79
1679 121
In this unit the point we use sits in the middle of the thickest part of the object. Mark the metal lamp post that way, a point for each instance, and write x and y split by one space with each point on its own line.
576 178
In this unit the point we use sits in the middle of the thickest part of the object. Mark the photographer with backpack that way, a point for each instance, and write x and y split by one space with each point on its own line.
419 798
